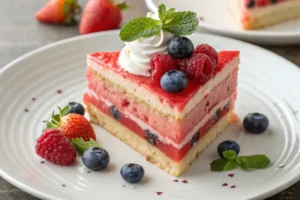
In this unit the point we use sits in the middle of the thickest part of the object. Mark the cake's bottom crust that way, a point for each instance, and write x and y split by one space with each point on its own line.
151 153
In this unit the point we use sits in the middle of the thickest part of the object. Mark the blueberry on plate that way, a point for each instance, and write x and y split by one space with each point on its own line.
174 81
95 158
76 108
256 123
132 173
180 47
228 145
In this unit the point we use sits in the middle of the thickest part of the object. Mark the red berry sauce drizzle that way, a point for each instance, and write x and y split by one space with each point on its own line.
26 110
281 166
33 99
59 91
159 193
184 181
175 180
201 18
231 175
233 186
225 184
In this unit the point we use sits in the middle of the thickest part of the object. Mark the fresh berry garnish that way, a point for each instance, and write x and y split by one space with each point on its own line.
250 3
217 115
209 51
132 173
59 12
262 2
72 125
95 158
100 15
55 147
76 108
180 47
256 123
228 145
151 137
115 112
198 67
160 64
174 81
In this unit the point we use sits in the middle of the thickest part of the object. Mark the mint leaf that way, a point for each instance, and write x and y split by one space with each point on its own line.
140 27
81 145
65 110
229 155
253 162
242 163
180 23
218 165
231 164
122 5
161 11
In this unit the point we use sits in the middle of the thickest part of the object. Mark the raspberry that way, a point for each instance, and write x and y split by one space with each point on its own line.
160 64
209 51
198 67
55 147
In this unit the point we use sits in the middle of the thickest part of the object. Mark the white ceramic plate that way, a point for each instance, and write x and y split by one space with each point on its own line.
217 19
267 84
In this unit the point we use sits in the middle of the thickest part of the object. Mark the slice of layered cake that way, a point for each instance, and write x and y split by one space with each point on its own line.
255 14
160 95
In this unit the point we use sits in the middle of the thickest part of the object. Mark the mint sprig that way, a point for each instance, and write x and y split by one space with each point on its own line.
81 145
177 23
231 160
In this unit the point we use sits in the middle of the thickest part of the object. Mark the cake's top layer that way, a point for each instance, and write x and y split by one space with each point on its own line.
251 4
174 104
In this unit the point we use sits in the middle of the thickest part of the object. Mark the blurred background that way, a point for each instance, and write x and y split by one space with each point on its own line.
20 33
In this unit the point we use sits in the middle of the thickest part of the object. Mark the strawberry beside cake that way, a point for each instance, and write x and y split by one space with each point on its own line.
255 14
161 95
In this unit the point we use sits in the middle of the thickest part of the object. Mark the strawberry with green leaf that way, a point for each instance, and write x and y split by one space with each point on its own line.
71 125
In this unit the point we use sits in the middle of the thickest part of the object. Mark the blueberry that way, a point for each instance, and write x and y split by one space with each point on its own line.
228 145
151 137
273 1
217 115
76 108
250 4
132 173
95 158
180 47
256 123
115 112
174 81
195 138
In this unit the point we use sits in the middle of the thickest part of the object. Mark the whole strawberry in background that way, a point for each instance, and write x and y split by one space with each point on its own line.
100 15
72 125
59 12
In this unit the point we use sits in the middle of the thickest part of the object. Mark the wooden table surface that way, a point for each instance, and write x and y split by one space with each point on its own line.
20 33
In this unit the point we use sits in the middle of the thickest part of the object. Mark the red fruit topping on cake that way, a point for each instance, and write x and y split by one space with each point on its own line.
59 12
55 147
262 2
100 15
160 64
209 51
72 125
198 67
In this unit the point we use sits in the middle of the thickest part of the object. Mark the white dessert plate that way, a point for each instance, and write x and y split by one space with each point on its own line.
217 19
55 75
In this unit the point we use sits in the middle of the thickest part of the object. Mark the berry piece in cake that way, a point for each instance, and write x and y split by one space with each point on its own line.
250 3
198 67
180 47
132 173
228 145
115 112
195 138
209 51
72 125
76 108
273 1
160 64
95 158
262 2
55 147
151 137
174 81
256 123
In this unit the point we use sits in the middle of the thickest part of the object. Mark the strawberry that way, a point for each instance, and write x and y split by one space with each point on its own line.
59 12
100 15
72 125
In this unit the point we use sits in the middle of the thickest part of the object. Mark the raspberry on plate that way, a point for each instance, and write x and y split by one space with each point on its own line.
160 64
55 147
198 67
209 51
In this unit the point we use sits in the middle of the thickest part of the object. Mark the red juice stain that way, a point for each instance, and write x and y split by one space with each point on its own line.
225 184
26 110
201 18
59 91
231 175
233 186
175 180
184 181
159 193
33 99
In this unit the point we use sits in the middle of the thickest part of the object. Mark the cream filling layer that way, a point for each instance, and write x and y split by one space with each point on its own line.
163 139
154 100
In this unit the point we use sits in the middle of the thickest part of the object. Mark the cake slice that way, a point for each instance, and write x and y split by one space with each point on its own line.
159 94
255 14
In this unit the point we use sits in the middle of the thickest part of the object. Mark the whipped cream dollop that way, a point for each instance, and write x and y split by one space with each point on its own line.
135 56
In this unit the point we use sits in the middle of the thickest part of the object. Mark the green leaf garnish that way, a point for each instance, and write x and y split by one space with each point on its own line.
244 162
56 118
122 5
81 145
177 23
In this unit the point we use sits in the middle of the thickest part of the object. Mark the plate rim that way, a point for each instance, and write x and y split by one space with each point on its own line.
248 33
14 181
